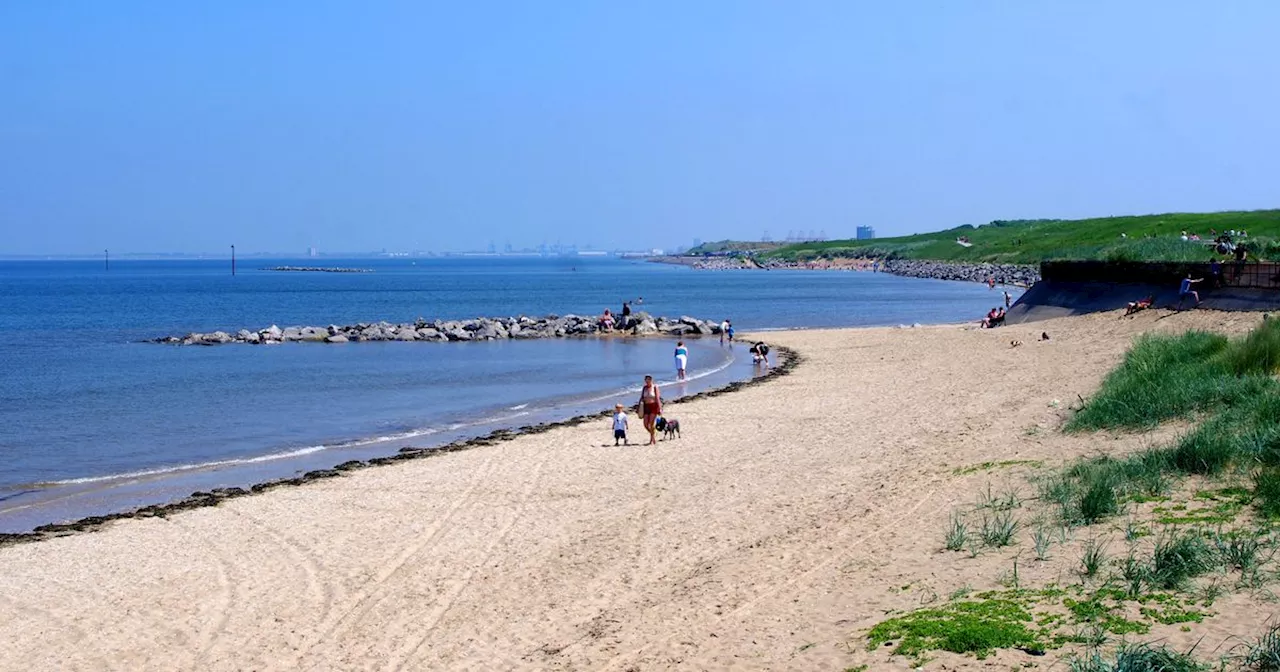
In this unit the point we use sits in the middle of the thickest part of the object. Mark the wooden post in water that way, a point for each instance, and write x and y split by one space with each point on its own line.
233 260
106 260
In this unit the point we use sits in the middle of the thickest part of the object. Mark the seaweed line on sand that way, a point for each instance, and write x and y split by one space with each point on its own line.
787 358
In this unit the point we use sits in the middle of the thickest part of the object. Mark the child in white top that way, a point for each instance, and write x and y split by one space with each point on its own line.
619 425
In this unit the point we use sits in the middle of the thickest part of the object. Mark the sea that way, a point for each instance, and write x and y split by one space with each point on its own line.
94 419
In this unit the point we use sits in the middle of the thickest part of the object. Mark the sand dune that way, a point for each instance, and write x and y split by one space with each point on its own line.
785 522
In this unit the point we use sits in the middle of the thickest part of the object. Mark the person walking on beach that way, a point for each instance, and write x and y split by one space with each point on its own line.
729 330
682 359
724 329
650 408
619 425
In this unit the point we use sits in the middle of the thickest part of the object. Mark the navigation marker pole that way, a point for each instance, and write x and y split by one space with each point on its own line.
233 260
106 260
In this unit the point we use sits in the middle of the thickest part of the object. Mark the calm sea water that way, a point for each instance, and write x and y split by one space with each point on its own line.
92 420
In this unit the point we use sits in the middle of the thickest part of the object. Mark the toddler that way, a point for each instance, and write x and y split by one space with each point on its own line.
619 425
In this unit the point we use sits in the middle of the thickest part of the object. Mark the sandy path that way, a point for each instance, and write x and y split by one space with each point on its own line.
786 520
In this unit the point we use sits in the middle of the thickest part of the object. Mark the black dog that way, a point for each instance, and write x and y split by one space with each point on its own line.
670 428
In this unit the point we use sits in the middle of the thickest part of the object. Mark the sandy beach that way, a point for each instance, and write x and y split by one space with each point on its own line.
788 519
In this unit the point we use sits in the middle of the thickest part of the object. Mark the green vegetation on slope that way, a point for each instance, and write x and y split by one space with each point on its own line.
731 246
1147 238
1229 383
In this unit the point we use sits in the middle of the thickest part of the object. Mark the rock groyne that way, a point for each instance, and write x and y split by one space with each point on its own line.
1006 274
440 331
1009 274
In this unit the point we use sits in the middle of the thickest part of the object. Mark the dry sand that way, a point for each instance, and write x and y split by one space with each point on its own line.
784 523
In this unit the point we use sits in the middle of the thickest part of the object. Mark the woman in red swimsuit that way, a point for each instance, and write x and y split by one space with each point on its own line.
650 408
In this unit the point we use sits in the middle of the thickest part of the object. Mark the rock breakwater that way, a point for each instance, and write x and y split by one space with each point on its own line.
440 331
1006 274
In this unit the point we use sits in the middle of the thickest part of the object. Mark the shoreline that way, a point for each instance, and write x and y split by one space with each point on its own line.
786 360
787 522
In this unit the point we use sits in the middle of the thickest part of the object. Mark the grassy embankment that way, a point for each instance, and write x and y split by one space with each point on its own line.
1212 498
1149 238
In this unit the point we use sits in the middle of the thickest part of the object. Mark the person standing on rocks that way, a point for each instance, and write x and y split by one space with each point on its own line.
626 314
650 408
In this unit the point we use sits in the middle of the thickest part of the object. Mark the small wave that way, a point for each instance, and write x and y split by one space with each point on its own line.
161 471
518 408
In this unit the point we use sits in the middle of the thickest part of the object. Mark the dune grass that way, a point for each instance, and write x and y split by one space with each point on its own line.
1227 384
1139 658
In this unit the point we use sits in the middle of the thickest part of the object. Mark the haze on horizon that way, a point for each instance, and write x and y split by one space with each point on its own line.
277 126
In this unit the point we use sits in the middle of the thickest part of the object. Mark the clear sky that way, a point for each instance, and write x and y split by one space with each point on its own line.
274 126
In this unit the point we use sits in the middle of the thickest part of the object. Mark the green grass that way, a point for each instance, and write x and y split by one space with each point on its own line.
1178 558
1138 658
976 628
1095 556
1149 238
957 536
1263 654
999 529
1266 489
1227 384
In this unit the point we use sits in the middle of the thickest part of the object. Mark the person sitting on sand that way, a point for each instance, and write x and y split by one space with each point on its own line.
1184 290
989 320
1140 304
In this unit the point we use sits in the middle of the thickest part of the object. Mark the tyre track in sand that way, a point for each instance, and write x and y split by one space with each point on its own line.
226 599
77 633
357 608
844 540
311 569
408 654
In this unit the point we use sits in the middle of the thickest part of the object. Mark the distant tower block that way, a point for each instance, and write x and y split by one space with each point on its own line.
766 237
313 252
866 233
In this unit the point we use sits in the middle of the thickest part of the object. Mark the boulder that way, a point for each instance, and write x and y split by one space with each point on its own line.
336 338
291 334
272 333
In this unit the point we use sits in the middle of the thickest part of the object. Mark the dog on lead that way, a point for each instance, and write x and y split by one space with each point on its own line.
670 428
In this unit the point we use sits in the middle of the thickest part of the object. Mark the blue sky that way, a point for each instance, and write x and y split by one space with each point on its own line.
274 126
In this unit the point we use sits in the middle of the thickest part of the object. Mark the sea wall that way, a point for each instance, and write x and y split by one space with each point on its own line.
440 331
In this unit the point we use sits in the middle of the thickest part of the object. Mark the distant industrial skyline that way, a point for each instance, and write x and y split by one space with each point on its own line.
443 126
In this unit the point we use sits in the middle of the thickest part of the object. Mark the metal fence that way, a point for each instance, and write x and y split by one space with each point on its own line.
1261 275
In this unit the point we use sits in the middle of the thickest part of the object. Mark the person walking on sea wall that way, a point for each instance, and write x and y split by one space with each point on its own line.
650 408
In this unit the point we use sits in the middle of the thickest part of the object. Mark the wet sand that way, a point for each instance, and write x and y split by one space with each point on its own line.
783 523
